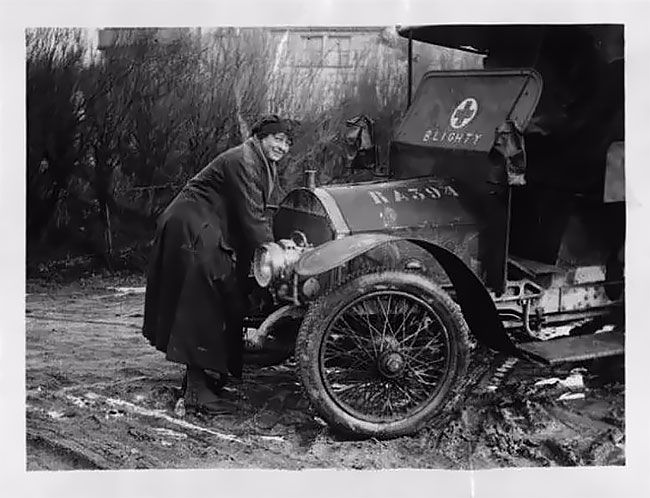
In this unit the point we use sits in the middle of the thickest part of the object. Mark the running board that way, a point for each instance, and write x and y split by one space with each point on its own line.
578 348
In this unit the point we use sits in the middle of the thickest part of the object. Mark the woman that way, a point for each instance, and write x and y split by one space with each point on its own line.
197 277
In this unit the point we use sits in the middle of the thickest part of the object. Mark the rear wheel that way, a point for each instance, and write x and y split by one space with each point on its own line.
383 354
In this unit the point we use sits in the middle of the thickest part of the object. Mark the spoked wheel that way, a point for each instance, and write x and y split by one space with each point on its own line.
379 355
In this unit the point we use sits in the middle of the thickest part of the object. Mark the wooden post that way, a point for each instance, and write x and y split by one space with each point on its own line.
107 227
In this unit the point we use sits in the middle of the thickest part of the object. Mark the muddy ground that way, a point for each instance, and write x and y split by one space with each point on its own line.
99 397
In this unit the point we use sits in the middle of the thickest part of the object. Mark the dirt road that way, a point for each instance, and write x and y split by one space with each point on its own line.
99 397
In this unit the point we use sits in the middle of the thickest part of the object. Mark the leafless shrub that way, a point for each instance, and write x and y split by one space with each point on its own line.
113 136
54 64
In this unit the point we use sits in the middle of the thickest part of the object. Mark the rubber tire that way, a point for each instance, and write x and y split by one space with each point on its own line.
314 327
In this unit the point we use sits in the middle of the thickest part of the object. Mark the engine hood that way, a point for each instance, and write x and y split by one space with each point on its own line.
379 206
443 212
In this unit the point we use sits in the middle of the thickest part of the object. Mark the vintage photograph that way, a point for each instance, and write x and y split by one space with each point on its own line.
325 247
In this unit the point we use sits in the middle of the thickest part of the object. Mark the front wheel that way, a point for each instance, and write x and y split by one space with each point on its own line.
383 354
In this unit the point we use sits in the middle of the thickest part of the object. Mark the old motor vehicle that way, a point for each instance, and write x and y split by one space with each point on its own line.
499 222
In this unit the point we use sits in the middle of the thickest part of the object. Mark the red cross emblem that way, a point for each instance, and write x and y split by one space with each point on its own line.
463 113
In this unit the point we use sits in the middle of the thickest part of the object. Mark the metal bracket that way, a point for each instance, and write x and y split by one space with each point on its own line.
519 291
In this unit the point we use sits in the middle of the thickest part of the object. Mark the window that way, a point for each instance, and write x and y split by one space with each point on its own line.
325 50
338 51
312 50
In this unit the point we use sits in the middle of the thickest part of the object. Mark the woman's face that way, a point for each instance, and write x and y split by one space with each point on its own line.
275 146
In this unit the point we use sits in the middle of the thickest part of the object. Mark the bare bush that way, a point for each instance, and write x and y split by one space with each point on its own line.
113 136
54 64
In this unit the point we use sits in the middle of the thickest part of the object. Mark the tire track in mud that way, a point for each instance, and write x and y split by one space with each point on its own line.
523 422
67 319
67 455
92 430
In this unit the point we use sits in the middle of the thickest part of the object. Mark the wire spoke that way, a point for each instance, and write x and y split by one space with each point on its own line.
386 317
404 319
371 328
408 394
341 350
425 363
411 338
425 349
366 338
364 315
355 337
360 396
377 392
387 406
354 363
420 376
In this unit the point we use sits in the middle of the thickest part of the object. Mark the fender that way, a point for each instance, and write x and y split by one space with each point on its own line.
333 253
471 295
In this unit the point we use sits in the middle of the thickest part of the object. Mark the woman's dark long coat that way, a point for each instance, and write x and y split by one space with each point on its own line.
202 250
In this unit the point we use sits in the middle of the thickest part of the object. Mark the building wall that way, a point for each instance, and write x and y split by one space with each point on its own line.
332 58
318 63
335 50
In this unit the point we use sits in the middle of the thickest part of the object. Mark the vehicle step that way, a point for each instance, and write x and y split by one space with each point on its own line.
534 268
579 348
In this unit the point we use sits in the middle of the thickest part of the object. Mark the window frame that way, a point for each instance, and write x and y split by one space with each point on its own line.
340 61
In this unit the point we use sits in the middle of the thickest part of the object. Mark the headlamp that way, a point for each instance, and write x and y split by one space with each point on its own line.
275 260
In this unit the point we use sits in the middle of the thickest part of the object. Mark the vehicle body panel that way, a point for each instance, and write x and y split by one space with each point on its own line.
460 110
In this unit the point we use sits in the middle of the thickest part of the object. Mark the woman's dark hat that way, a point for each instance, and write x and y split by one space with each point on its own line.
271 124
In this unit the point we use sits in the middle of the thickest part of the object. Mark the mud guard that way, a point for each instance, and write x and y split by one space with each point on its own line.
472 296
333 253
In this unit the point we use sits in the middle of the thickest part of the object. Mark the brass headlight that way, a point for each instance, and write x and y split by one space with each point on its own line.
266 263
275 260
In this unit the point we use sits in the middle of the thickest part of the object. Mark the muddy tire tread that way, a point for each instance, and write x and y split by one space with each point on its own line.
307 341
